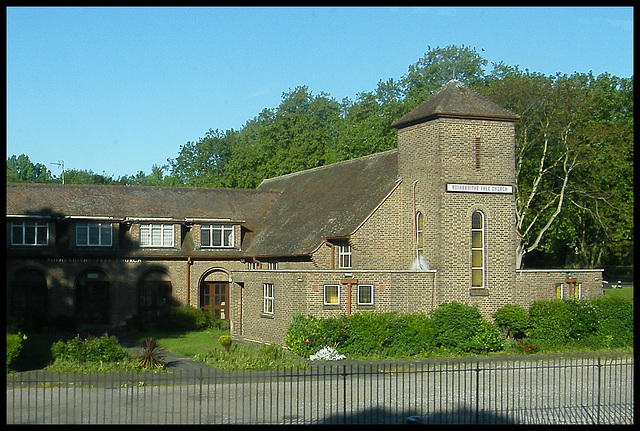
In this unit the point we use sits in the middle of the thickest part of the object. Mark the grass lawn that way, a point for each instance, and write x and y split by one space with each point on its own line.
625 292
184 343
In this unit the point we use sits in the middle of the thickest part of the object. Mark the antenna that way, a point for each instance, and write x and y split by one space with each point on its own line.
60 164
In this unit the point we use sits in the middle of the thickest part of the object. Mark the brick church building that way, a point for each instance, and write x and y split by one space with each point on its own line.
404 230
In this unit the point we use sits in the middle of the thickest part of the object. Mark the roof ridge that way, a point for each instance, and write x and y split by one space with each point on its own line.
327 166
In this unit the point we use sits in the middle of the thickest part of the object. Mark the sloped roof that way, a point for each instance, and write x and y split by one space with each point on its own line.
325 202
137 201
455 99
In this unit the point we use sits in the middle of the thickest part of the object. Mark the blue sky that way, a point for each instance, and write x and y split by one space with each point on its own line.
118 90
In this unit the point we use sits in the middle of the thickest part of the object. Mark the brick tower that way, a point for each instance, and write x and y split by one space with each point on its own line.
456 156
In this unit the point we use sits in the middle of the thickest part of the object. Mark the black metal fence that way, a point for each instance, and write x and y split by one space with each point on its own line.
584 390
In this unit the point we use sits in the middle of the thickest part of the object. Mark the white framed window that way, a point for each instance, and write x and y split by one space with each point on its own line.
365 294
94 234
272 264
344 256
29 233
156 235
331 294
217 235
419 238
267 303
477 250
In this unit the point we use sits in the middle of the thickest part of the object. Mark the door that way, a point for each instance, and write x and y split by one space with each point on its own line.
215 298
92 306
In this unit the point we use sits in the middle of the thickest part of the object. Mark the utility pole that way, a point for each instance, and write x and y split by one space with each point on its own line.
60 164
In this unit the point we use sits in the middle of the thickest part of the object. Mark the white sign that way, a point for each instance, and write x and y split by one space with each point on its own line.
479 188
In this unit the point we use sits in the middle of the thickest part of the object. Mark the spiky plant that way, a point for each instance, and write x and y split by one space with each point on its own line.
151 355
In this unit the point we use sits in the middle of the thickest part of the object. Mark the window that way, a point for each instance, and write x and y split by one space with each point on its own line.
90 234
365 294
29 233
344 256
477 250
272 264
217 235
267 307
419 238
156 235
331 294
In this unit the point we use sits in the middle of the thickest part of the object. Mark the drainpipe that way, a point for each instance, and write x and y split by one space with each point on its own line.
415 225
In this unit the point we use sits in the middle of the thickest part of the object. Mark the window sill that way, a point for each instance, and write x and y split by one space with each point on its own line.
478 292
267 315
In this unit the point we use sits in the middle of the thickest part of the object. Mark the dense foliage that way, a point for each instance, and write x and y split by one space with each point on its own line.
574 148
456 329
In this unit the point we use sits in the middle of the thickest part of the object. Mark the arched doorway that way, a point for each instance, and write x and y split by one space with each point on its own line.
92 298
214 294
29 294
154 294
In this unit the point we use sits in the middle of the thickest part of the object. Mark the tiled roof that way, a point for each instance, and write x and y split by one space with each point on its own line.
325 202
137 201
455 99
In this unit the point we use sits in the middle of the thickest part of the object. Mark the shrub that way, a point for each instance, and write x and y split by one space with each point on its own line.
306 335
512 319
152 356
488 338
93 349
14 347
456 324
615 321
225 341
562 321
413 334
369 333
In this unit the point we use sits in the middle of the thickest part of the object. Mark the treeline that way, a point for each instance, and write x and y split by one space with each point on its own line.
574 150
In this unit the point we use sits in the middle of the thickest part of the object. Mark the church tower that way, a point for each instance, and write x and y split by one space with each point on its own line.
456 157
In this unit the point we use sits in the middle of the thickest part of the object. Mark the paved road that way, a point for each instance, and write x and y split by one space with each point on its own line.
573 392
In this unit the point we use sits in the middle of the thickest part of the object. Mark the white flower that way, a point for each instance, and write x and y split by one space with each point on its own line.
327 354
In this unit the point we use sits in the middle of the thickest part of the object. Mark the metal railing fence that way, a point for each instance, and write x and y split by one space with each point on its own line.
585 390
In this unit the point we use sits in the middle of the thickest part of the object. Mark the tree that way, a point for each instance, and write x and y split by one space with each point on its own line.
21 169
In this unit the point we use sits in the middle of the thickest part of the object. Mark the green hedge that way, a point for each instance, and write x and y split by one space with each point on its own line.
90 350
14 347
454 328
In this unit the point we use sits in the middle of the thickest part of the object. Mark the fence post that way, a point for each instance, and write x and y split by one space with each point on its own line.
599 391
477 390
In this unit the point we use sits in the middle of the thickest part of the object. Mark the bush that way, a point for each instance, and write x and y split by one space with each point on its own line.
615 321
151 356
307 335
456 324
14 347
225 341
488 338
562 321
91 350
513 320
369 333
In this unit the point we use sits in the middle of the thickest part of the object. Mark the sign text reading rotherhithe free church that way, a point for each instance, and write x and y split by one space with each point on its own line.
479 188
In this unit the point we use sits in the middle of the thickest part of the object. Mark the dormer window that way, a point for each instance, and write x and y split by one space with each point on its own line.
29 233
217 235
94 234
344 256
156 235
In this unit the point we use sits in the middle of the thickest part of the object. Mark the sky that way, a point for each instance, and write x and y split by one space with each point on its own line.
119 90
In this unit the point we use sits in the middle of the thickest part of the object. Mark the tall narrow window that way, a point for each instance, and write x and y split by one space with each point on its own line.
267 303
419 239
477 152
477 250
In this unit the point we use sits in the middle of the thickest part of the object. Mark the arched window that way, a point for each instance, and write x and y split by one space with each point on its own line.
477 250
29 294
154 294
419 238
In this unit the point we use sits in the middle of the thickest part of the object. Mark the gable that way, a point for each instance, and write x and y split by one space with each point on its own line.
324 202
